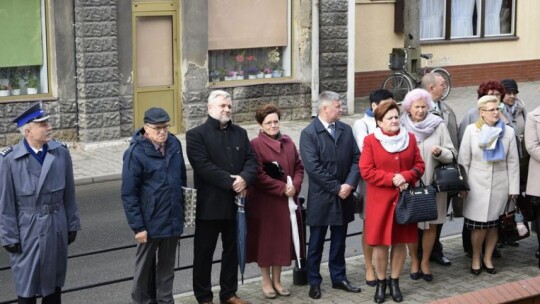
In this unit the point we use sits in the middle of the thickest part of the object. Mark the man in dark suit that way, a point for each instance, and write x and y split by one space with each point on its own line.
223 166
330 156
39 215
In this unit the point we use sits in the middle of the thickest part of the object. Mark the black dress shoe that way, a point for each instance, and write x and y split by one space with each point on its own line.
395 292
441 260
415 275
315 292
489 270
428 277
371 283
347 286
476 271
380 292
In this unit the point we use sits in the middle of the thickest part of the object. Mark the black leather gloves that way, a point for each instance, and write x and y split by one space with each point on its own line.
72 235
13 248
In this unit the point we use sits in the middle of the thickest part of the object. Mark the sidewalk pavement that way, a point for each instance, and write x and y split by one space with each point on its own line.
517 263
102 161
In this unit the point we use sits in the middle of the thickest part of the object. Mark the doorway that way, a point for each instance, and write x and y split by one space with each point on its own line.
155 61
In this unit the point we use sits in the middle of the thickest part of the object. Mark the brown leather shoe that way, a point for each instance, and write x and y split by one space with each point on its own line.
235 300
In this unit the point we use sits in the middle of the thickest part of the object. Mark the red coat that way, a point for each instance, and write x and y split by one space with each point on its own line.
378 167
269 236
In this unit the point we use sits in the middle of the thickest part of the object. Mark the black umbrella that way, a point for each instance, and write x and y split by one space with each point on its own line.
241 233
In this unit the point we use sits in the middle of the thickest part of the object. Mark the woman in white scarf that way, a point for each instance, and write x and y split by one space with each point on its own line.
435 147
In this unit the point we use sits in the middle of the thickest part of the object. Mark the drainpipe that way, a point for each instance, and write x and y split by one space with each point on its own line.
350 55
314 57
76 76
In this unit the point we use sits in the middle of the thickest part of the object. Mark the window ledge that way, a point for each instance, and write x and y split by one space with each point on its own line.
10 99
252 82
470 40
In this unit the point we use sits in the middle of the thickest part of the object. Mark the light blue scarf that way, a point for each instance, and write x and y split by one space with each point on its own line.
489 141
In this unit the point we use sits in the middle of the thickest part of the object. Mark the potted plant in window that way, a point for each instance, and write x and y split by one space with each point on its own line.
14 83
4 90
231 75
31 84
260 74
252 72
267 72
274 58
240 75
215 76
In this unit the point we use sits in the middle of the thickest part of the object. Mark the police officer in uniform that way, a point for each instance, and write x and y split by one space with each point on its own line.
39 216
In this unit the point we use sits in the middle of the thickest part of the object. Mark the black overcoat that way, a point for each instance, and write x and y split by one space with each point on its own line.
215 154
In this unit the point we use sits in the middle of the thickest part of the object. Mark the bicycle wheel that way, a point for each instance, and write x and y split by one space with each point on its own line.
447 79
399 84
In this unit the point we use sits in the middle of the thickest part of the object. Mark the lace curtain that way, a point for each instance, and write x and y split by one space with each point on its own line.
462 18
432 19
493 13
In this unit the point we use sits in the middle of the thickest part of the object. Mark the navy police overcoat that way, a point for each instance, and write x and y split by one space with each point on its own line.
37 209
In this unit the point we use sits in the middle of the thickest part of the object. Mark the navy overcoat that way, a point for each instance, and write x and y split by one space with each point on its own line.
329 163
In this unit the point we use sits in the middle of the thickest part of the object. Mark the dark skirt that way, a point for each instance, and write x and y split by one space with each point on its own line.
470 224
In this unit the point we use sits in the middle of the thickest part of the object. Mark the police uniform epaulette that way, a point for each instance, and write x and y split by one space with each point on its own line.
62 143
6 151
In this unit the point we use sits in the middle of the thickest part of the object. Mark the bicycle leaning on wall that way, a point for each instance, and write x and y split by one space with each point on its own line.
402 80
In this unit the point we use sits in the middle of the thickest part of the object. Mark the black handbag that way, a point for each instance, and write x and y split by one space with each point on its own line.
508 227
416 204
273 169
450 177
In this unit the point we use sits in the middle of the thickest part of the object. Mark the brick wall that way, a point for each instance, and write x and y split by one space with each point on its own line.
462 75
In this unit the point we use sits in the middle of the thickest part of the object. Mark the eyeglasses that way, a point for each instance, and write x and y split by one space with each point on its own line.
160 128
270 123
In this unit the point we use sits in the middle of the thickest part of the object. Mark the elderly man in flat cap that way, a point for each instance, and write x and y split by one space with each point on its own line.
39 216
153 174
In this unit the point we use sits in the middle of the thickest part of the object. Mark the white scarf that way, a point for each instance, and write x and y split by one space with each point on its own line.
393 144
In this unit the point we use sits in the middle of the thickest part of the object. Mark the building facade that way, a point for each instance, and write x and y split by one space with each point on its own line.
99 64
474 40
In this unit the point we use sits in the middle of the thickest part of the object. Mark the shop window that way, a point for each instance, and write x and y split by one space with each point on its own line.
23 60
254 44
458 19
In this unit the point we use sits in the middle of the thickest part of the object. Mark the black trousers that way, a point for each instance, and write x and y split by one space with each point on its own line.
55 298
206 236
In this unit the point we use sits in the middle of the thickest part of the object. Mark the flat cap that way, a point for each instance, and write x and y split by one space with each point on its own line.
510 85
34 113
156 116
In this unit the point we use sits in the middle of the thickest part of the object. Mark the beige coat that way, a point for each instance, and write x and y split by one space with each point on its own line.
440 137
532 144
490 182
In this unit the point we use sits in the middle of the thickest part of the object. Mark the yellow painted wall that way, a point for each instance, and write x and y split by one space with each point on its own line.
375 38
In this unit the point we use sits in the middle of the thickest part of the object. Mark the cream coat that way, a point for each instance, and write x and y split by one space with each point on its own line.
439 137
490 182
532 144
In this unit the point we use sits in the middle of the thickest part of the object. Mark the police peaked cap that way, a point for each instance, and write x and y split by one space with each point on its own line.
34 113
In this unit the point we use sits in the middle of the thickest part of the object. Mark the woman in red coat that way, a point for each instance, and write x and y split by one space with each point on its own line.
269 235
386 164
